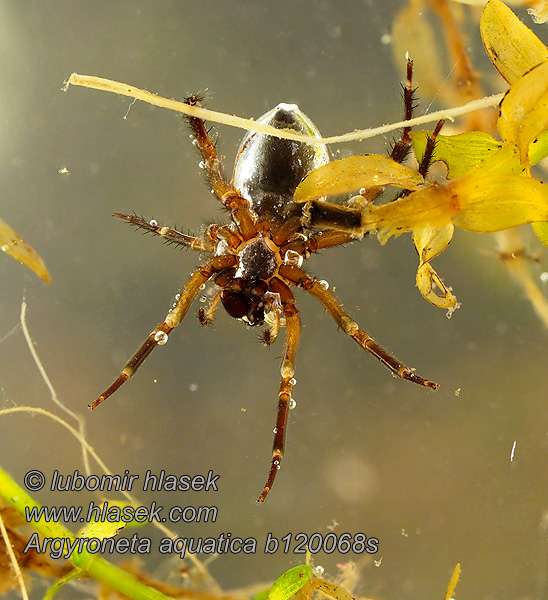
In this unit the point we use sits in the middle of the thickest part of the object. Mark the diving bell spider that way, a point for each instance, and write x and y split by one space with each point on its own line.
257 257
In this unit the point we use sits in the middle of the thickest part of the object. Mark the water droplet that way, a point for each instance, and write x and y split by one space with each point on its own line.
161 338
386 39
153 223
324 284
292 404
293 258
319 570
193 387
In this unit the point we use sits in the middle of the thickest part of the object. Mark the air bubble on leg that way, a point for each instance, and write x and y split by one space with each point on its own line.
275 430
293 258
161 338
203 299
293 381
323 284
153 223
202 164
319 570
292 404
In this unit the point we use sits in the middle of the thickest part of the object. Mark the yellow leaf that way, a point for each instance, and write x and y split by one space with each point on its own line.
355 172
453 582
511 46
460 152
432 206
429 242
541 231
474 202
524 110
497 202
12 243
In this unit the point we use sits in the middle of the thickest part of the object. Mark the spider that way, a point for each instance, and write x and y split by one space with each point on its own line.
257 257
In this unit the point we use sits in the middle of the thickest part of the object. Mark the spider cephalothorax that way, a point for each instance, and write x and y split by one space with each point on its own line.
257 257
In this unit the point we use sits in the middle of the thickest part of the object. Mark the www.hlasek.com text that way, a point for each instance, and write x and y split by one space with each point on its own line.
225 543
112 513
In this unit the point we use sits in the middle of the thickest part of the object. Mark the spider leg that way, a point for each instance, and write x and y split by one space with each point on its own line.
429 150
402 146
349 326
293 328
170 235
159 334
318 213
242 214
316 241
206 315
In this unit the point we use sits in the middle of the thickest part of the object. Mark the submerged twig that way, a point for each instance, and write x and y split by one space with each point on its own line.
123 89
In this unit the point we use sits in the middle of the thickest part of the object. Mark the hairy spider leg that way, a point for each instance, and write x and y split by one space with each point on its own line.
402 146
429 150
174 317
171 235
344 218
293 329
426 159
242 215
300 278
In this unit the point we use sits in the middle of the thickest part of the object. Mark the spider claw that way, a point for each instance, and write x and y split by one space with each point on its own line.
410 376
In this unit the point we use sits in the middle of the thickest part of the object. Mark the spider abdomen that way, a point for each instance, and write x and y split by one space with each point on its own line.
268 169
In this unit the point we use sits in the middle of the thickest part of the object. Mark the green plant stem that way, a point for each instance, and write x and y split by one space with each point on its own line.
90 565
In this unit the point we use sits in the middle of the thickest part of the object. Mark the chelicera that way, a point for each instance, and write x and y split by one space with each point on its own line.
257 257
